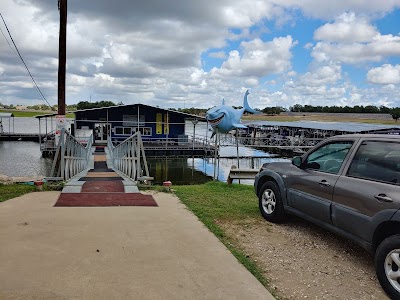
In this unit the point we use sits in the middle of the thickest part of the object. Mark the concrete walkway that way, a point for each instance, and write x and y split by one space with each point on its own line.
159 252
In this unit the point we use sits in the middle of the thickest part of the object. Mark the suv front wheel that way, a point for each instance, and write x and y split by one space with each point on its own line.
270 202
387 265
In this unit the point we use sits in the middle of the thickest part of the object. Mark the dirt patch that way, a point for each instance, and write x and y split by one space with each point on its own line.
303 261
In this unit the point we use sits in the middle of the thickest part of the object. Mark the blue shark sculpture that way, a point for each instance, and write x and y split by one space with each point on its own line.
224 118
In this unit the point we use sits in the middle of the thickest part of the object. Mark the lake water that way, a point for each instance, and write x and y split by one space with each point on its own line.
24 159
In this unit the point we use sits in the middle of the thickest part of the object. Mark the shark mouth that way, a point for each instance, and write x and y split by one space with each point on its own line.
216 121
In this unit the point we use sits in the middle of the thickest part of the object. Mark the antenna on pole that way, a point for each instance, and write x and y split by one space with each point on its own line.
62 55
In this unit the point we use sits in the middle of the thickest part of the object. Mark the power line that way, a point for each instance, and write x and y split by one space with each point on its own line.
26 67
15 52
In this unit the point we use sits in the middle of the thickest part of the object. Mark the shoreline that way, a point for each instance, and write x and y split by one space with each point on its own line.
4 179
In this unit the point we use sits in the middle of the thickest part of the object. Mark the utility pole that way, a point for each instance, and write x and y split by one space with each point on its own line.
62 55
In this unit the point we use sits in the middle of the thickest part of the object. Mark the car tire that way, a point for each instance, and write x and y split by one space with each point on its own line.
387 265
270 203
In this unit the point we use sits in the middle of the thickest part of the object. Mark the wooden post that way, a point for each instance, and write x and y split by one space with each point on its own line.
62 56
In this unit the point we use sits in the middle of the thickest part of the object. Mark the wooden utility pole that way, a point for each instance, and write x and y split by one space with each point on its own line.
62 56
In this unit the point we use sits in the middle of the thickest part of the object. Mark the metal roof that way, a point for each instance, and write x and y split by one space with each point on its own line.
46 116
6 115
129 105
334 126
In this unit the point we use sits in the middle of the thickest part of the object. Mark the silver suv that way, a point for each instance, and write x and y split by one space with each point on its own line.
349 184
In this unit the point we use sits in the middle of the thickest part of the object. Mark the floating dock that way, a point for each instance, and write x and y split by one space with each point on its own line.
26 137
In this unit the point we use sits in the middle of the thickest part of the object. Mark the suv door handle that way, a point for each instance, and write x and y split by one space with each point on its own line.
384 198
324 183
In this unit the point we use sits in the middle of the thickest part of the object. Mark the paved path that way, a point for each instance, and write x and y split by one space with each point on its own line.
130 252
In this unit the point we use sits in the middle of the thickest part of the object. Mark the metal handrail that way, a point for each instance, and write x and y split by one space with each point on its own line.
71 156
129 157
47 141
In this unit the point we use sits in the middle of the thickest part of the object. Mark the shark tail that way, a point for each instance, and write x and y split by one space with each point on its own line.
247 106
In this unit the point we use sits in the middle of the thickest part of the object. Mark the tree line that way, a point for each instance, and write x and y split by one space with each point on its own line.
44 107
359 109
275 110
342 109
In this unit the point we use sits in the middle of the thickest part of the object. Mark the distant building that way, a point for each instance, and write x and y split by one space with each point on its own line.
120 122
21 107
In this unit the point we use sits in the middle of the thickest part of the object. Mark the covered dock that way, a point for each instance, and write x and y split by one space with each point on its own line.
300 136
6 126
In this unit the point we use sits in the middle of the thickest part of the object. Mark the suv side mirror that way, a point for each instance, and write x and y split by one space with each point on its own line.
297 161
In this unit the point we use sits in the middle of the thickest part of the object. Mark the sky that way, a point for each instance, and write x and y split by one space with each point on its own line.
187 53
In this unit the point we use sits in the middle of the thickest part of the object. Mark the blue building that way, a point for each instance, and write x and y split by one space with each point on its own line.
157 126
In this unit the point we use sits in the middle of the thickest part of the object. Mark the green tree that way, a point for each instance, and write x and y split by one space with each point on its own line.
395 112
273 110
296 108
88 105
383 109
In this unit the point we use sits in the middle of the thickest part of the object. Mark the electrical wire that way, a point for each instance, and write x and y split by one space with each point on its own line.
26 67
15 52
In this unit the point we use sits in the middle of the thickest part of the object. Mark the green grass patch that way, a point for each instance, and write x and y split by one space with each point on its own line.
9 191
32 113
217 201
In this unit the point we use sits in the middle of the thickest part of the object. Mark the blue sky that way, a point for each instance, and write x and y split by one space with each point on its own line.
193 54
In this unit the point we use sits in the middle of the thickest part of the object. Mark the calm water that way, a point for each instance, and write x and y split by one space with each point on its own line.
24 159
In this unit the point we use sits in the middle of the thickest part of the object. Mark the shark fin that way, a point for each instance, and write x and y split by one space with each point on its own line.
247 106
239 125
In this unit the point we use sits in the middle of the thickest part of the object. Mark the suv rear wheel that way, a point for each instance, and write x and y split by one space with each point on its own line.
387 265
270 202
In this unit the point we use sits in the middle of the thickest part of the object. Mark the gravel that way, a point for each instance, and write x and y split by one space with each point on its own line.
304 261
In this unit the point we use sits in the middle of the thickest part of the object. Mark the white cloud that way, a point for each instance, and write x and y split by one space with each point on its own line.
346 29
258 59
324 75
308 46
376 50
386 74
352 40
242 14
156 51
250 82
330 9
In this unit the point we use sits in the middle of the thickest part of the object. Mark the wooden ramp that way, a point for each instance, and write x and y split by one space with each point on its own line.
102 186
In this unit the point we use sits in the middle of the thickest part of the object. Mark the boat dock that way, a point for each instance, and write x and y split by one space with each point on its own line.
162 149
298 137
27 137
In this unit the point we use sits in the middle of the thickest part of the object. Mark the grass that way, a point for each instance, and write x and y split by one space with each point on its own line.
31 113
318 118
217 201
9 191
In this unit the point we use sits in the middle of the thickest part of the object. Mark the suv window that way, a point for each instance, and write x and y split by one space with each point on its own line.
379 161
329 157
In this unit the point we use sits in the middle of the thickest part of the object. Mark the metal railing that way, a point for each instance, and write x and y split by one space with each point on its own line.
128 157
71 156
297 143
47 142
